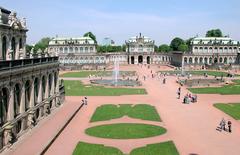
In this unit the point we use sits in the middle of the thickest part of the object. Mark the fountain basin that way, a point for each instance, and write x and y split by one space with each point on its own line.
120 82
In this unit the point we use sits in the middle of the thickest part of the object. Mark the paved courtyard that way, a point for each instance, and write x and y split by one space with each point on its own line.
192 127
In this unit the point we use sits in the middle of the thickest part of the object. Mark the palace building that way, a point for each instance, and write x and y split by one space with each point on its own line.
29 87
82 52
210 50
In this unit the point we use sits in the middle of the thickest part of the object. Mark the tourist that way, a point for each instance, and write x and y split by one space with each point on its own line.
179 92
222 124
85 100
229 126
164 80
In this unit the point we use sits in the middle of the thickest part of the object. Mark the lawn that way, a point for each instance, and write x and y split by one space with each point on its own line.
165 148
139 111
82 74
95 149
211 73
231 109
125 131
76 88
224 90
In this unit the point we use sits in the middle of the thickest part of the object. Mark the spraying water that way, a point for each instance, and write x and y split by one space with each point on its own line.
116 71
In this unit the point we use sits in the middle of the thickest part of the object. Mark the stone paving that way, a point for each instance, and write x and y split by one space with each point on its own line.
192 127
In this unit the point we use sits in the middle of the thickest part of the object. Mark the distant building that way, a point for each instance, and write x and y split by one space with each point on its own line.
210 50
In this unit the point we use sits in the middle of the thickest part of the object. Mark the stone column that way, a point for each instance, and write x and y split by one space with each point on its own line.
53 92
46 96
22 103
31 103
39 99
47 88
10 113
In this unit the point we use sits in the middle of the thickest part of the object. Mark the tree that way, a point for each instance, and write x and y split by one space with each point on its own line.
42 44
164 48
91 35
175 43
183 47
124 48
214 33
155 48
28 48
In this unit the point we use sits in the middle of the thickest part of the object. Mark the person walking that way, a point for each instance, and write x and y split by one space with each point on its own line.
85 100
229 126
222 124
179 92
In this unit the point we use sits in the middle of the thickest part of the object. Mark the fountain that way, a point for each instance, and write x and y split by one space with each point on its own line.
116 81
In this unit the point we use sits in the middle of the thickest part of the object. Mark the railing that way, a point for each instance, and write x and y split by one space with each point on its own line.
13 64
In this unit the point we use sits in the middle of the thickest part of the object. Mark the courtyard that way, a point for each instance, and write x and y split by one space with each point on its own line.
151 122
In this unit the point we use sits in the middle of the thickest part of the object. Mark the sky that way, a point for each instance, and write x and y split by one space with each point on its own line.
161 20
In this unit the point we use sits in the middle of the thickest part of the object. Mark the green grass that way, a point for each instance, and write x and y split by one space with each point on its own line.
95 149
231 109
165 148
224 90
139 111
82 74
125 131
76 88
211 73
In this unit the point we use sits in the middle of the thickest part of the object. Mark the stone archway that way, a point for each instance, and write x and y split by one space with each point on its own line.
215 60
13 47
132 59
140 59
148 60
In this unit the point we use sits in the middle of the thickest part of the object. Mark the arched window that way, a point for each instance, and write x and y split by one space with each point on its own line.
20 43
4 47
210 60
91 49
71 50
65 50
81 49
76 50
13 47
225 60
220 49
215 50
201 60
225 49
4 94
185 60
195 60
230 49
205 49
61 50
210 49
221 60
205 60
190 60
86 49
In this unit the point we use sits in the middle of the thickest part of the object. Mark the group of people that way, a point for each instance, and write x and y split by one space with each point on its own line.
84 101
223 124
189 98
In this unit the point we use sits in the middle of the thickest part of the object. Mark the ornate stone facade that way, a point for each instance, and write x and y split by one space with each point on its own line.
13 35
29 88
213 51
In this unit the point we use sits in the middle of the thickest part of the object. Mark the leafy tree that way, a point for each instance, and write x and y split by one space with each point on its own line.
28 48
164 48
109 48
91 35
155 48
175 43
124 48
183 47
214 33
42 44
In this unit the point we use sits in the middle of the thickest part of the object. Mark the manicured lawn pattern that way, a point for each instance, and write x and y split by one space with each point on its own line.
125 131
139 111
224 90
76 88
211 73
165 148
82 74
232 110
95 149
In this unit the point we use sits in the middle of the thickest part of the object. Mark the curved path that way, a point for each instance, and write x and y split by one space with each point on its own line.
192 127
